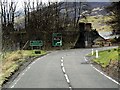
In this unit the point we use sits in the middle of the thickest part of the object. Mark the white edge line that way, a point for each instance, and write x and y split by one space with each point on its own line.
104 74
23 74
16 81
12 86
29 67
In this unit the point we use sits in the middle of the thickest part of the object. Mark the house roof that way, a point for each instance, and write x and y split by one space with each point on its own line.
100 38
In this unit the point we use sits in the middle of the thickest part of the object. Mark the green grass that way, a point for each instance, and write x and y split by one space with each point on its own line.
98 23
12 60
106 56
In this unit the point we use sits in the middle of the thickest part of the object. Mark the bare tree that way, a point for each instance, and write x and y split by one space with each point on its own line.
7 21
75 13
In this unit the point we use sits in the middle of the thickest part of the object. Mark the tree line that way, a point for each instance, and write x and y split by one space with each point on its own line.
114 9
114 22
40 21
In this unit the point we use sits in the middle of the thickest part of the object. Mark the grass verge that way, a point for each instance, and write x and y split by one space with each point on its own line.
12 61
106 56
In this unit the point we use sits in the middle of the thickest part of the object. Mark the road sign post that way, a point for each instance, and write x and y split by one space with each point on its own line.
56 39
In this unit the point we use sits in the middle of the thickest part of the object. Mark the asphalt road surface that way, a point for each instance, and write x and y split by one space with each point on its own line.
62 69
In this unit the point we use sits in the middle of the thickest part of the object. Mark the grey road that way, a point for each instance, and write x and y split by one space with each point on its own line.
46 72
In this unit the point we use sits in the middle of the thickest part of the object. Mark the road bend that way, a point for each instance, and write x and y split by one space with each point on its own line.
48 72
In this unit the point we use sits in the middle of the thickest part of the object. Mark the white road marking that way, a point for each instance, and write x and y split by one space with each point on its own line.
62 64
16 81
41 57
103 74
29 67
70 88
61 60
20 77
66 77
32 64
63 69
12 86
26 70
23 74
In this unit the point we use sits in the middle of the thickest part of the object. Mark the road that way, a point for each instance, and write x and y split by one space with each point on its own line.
48 72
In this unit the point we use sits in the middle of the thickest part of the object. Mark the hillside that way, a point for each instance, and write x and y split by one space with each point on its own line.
95 12
98 22
98 16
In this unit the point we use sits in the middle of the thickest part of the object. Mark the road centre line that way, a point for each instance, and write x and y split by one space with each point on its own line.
61 60
63 69
65 75
62 64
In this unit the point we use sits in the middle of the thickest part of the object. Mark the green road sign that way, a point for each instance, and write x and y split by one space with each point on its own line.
36 43
57 39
